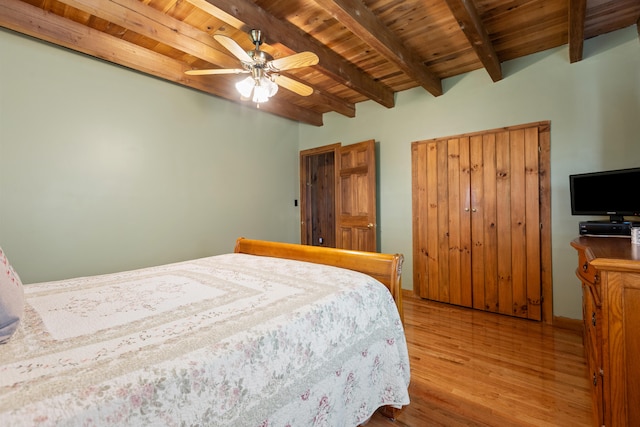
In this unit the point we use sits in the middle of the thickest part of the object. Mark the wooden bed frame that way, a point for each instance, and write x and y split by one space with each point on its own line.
386 268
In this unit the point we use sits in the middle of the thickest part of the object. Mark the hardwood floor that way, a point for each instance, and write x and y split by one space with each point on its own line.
472 368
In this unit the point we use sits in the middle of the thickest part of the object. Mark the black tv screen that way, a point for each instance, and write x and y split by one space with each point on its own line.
615 193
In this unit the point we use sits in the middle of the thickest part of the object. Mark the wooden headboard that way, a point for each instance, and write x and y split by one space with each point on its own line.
386 268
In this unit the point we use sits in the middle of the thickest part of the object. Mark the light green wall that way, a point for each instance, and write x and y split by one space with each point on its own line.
593 106
104 169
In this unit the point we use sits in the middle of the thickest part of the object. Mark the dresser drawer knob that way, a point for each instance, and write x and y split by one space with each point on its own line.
585 267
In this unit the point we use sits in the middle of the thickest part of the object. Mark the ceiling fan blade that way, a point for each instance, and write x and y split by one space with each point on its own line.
215 71
293 85
233 47
302 59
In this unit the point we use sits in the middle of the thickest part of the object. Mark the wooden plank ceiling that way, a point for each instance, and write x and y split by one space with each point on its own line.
367 49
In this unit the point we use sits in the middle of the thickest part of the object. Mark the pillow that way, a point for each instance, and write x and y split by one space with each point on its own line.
11 299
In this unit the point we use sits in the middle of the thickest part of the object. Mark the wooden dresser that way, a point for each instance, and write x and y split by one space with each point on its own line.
609 269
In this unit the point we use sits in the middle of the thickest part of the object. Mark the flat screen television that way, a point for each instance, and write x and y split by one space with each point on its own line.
614 193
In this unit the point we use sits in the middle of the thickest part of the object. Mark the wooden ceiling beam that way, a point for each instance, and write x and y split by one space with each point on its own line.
577 15
467 16
35 22
362 22
336 104
156 25
220 14
331 64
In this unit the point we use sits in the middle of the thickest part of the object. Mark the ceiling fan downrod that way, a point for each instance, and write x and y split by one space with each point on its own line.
256 38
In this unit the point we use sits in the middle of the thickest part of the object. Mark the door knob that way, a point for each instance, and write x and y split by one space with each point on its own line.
370 225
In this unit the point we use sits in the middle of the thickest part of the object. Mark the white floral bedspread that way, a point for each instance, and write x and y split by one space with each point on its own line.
230 340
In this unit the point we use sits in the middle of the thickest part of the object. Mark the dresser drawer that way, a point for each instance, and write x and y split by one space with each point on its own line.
586 271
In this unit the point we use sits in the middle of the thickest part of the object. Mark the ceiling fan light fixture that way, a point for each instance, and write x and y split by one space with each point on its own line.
264 89
269 83
245 86
261 87
260 94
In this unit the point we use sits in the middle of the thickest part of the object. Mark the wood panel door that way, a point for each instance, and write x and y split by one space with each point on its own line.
356 207
477 220
441 220
338 196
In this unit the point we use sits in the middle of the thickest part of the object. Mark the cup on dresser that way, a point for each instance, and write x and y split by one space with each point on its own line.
635 235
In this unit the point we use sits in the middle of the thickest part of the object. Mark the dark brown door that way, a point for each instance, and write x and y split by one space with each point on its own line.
317 196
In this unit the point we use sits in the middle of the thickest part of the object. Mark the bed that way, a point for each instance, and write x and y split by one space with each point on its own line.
273 334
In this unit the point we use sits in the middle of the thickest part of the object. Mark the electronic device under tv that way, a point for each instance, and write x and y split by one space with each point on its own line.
613 193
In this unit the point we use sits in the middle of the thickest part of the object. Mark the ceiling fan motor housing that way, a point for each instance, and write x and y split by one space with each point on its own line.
260 57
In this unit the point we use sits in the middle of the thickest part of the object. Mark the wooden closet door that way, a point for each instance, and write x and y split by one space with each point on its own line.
476 219
442 254
505 222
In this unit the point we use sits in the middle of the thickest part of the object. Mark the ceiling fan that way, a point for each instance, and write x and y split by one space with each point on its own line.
265 71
